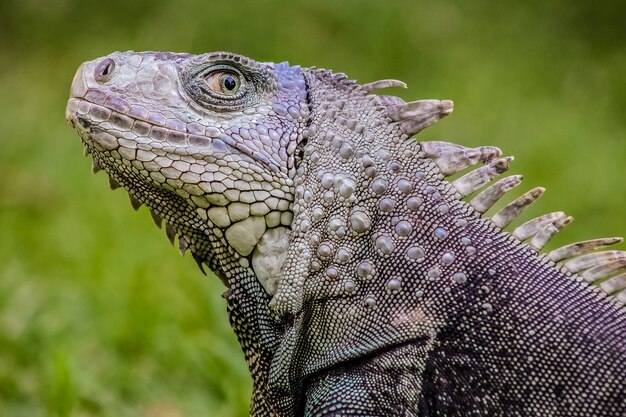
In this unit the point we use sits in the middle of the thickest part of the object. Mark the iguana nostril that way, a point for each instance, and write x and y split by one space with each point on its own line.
104 70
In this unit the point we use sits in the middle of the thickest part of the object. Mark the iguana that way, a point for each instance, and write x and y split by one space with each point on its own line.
363 275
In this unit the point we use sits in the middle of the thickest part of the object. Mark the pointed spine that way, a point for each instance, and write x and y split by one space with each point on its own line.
512 211
534 226
477 178
199 262
95 166
418 115
381 84
183 244
490 196
134 202
581 248
542 238
113 183
615 284
602 271
170 232
452 158
592 260
158 220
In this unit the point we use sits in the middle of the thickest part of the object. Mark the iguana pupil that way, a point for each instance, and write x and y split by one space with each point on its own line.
230 83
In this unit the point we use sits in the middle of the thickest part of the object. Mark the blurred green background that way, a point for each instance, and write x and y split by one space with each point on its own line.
99 316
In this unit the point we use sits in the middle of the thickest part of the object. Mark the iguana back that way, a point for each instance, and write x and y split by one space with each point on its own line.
361 281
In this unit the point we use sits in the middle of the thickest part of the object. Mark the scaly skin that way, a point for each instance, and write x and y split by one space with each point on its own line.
360 282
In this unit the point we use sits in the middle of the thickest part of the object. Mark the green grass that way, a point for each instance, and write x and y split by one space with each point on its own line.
100 317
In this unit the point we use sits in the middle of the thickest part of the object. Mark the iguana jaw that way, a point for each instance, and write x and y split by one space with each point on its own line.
193 233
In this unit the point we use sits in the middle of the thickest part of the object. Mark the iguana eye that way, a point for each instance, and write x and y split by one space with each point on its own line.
222 85
223 82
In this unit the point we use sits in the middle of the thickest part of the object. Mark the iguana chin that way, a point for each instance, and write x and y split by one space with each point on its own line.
360 280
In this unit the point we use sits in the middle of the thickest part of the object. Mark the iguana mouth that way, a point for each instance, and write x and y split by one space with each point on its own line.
142 189
103 142
131 130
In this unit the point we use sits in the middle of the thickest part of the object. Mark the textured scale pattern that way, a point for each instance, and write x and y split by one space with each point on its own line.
360 280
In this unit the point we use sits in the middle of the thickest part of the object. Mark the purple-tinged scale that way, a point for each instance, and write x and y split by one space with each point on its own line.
379 185
447 258
459 277
414 203
440 233
405 186
386 205
403 228
138 112
385 245
279 109
415 253
394 285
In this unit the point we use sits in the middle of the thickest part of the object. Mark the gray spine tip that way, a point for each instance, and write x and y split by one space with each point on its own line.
513 210
534 226
418 115
452 158
381 84
602 271
543 236
183 245
158 220
199 262
134 202
170 232
476 179
95 166
581 248
487 198
113 184
592 260
615 284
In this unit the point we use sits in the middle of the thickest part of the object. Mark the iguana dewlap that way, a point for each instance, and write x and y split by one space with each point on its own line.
360 280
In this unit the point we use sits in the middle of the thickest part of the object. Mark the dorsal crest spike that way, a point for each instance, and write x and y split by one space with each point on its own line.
95 166
615 285
476 179
542 237
513 210
183 244
134 202
156 218
534 226
113 184
581 248
452 158
591 260
599 272
417 115
170 232
492 194
199 262
381 84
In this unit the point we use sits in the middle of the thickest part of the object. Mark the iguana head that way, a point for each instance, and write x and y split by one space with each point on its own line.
208 142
